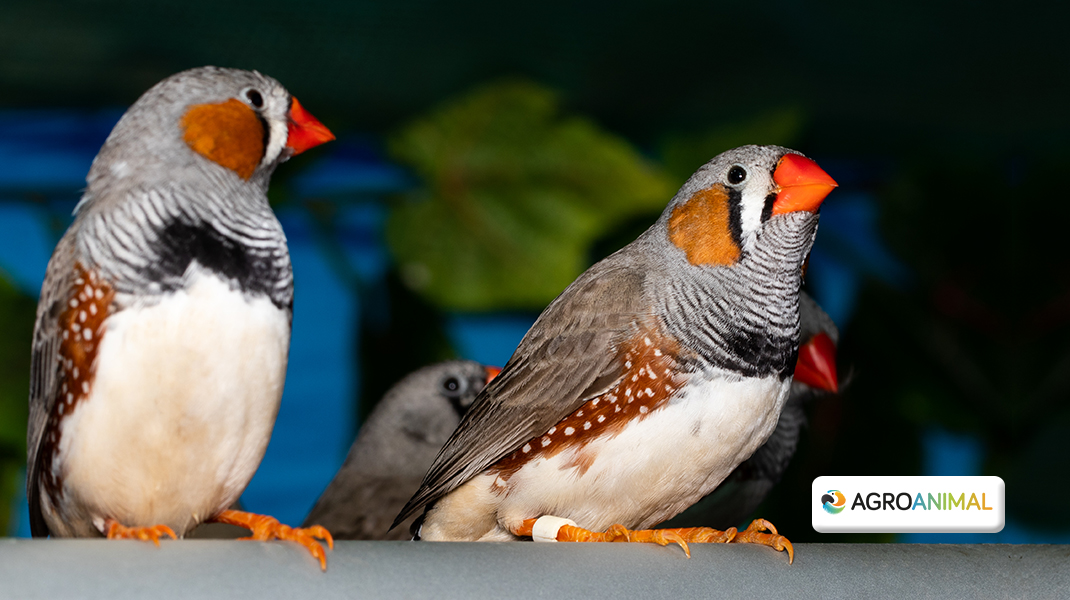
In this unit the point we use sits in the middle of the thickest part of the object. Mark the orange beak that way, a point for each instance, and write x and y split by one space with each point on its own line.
801 185
305 130
817 364
492 372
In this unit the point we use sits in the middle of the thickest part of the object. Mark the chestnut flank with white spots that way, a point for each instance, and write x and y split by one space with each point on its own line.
602 415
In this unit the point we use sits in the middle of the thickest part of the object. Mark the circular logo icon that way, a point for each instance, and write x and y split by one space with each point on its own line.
833 502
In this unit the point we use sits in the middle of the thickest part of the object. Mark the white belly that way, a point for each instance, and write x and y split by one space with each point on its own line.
651 471
181 408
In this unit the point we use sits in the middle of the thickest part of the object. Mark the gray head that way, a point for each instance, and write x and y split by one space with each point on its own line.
735 238
223 123
184 173
415 417
424 408
394 449
720 213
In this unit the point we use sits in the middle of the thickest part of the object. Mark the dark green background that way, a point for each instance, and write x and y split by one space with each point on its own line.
991 75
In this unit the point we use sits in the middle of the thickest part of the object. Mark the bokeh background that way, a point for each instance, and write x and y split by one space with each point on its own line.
487 153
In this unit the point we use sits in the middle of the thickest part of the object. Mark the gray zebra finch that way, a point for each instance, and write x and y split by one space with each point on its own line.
163 328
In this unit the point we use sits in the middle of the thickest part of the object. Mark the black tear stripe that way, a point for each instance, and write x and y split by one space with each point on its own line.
254 271
767 210
265 137
735 217
455 403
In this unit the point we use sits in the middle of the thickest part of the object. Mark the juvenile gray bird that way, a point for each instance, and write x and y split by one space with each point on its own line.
394 448
649 379
163 328
746 487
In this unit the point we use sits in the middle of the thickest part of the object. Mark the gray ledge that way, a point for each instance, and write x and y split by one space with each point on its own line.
228 569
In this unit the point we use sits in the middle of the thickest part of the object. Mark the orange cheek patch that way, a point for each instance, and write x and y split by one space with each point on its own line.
700 227
229 134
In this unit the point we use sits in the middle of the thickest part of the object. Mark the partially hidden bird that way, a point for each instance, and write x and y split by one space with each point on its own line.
163 328
649 379
394 449
739 495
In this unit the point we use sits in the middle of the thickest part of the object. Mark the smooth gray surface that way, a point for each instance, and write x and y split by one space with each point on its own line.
228 569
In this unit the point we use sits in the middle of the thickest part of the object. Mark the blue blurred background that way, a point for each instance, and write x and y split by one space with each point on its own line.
569 125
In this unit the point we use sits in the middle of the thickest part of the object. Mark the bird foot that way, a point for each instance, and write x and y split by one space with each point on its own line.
117 531
266 528
755 534
568 532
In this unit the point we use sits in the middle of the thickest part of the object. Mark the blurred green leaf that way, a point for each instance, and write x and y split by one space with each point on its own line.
10 480
514 194
683 153
16 330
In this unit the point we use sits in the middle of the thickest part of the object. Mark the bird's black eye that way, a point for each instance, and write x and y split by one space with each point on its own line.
254 98
451 385
736 175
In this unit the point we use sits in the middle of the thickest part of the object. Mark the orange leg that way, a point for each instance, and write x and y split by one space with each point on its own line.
754 534
117 531
268 528
619 533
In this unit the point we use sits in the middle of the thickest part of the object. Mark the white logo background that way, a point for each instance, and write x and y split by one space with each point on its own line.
853 519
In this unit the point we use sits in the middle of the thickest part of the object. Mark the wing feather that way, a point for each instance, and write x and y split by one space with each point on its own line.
46 370
571 354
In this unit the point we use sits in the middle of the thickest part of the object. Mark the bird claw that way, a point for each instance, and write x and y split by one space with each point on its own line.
265 528
661 537
755 534
620 533
706 535
697 535
118 531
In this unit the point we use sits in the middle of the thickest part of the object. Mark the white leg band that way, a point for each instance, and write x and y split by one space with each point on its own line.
547 526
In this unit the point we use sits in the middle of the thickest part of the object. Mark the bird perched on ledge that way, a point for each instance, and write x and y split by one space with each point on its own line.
649 379
395 447
743 490
162 333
